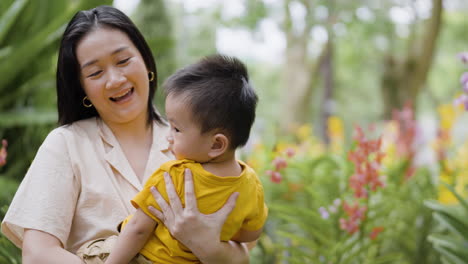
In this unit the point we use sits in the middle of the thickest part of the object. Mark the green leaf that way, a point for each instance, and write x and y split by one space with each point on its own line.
454 259
27 117
457 247
8 18
455 225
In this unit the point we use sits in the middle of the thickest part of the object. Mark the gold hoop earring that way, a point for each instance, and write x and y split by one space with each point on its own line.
151 76
85 102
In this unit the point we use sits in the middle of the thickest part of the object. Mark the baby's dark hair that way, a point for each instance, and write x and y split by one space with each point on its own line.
218 91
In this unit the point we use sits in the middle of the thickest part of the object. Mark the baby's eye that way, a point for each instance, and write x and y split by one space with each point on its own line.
176 129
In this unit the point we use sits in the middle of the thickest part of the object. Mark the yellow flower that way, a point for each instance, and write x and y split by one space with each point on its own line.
447 113
390 155
446 197
335 127
282 146
304 132
336 134
444 176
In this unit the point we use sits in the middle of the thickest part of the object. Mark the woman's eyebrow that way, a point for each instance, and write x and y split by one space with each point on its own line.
112 53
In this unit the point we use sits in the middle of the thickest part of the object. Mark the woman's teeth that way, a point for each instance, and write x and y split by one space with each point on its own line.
122 95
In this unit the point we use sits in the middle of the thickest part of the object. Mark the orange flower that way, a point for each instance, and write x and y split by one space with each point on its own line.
375 232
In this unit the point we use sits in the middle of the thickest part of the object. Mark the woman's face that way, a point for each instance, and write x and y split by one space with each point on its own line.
114 76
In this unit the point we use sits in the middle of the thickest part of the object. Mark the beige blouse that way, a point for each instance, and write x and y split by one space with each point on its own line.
80 184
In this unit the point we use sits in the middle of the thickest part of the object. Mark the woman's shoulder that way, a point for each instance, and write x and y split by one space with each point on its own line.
85 126
74 132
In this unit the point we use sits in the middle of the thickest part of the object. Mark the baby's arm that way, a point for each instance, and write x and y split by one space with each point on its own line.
132 239
244 236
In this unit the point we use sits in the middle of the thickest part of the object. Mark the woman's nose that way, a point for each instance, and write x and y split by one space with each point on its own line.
115 79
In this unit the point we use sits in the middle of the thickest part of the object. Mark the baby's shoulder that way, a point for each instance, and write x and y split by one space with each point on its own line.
173 165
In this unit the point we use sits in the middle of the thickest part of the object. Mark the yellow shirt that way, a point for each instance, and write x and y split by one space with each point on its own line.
212 193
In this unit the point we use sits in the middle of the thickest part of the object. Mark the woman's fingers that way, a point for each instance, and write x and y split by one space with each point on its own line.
157 213
190 200
174 200
167 213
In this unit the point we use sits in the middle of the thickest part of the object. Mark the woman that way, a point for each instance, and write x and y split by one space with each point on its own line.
79 185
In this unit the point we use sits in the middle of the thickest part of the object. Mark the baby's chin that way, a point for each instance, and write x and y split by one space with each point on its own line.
178 156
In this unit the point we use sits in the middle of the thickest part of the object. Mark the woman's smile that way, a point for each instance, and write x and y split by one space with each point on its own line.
123 96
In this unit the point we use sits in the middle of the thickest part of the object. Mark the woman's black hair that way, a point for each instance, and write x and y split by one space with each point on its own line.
70 93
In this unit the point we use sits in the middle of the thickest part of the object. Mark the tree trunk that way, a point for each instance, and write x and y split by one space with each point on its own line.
329 85
402 81
298 72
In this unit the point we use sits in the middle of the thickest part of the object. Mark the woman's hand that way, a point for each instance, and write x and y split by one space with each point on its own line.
199 232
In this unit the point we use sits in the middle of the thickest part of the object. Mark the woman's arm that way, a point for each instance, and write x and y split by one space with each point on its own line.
43 248
199 232
132 239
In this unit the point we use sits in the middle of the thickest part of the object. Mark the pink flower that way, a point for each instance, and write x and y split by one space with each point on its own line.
290 152
463 56
275 176
280 163
464 79
462 99
349 225
324 213
3 152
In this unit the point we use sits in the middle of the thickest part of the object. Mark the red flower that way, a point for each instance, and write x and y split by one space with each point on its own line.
355 215
280 163
275 176
375 232
348 225
367 158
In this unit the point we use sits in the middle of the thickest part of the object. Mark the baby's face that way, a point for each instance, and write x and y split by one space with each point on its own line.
185 139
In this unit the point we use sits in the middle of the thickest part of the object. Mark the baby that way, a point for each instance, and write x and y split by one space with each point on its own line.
210 106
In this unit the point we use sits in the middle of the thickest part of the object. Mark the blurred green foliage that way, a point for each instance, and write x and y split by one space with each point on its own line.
306 209
29 35
451 238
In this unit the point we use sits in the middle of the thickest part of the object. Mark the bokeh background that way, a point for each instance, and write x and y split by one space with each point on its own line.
361 150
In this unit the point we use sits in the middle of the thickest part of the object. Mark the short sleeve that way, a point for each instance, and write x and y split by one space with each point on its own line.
145 198
47 196
256 220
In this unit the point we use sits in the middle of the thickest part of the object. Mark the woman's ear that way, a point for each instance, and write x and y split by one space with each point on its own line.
219 145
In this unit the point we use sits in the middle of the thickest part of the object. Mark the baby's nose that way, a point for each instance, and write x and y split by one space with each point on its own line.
170 139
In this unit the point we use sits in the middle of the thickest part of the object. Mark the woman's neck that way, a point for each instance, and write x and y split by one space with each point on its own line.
136 131
135 140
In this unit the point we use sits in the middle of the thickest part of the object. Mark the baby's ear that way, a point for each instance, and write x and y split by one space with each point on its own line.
219 145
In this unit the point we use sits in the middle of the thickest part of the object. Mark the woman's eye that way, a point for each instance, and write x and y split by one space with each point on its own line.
123 61
95 74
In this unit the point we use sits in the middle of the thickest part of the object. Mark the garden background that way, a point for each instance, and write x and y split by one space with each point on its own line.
361 150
